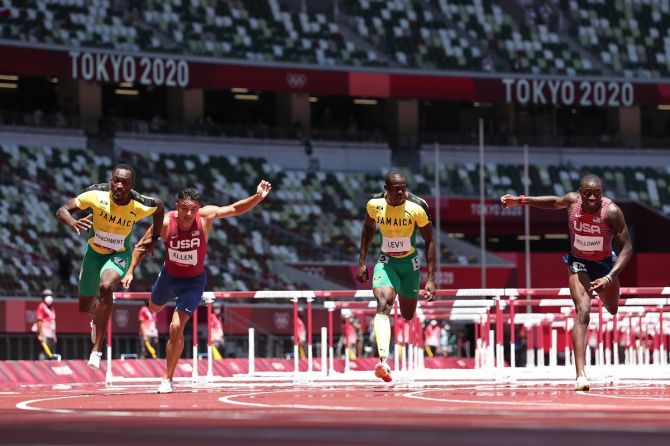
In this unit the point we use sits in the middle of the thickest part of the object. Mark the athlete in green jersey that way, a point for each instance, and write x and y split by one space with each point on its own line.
115 207
398 214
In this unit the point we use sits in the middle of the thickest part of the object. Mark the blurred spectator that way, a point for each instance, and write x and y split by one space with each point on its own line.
432 336
487 62
46 325
302 336
148 332
358 331
462 344
447 340
216 327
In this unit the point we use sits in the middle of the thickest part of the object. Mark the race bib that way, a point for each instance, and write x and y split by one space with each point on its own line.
396 244
588 243
183 257
416 265
106 240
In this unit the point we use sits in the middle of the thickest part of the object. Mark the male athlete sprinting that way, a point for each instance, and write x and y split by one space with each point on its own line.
116 208
594 221
183 276
398 214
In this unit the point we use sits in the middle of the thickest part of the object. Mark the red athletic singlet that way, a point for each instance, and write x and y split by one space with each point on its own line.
590 237
185 250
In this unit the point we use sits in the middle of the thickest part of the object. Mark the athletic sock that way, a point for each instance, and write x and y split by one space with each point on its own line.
382 334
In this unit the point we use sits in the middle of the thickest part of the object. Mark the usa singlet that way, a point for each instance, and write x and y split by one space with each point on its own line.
397 224
590 236
113 223
186 250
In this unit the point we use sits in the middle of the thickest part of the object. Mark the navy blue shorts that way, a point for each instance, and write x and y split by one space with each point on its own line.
187 291
594 268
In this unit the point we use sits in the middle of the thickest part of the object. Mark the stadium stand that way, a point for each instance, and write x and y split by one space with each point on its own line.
629 37
574 37
311 214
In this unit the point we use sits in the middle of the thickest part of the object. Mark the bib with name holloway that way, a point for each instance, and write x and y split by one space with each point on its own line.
185 250
590 236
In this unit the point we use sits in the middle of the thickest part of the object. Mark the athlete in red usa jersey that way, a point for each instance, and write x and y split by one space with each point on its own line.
594 222
183 276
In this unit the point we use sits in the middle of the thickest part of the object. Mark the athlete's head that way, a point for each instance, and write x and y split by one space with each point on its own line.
188 204
121 183
591 190
395 184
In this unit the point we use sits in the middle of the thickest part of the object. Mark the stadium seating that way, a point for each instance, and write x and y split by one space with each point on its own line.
629 37
526 46
644 184
259 31
413 35
626 37
310 216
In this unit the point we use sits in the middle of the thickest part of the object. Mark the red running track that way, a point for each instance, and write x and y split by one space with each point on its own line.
338 414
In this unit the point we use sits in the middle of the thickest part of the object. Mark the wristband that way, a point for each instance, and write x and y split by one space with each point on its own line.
524 202
609 278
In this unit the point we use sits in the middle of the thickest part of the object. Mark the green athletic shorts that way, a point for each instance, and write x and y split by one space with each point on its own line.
404 274
94 264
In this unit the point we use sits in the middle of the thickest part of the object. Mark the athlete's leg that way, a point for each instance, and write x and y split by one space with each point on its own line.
385 296
89 281
579 283
161 292
87 304
407 307
175 344
103 311
610 296
189 293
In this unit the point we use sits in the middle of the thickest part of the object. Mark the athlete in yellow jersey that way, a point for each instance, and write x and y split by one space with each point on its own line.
398 214
115 207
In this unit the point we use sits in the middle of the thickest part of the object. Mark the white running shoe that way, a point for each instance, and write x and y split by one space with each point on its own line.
94 360
165 386
93 333
582 384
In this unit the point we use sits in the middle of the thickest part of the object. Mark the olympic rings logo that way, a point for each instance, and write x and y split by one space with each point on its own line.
296 80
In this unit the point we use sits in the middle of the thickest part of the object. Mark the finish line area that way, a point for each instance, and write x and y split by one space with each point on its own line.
325 401
365 413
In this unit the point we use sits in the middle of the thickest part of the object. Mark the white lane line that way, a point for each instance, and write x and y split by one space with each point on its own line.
629 397
26 405
530 404
229 400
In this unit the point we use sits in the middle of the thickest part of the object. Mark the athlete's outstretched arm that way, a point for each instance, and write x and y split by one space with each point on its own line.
427 234
544 202
367 234
158 221
616 220
141 250
64 215
210 213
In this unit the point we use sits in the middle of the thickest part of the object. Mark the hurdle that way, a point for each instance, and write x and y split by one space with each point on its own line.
639 327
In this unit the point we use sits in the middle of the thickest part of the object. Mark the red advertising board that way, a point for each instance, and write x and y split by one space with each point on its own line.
18 316
190 72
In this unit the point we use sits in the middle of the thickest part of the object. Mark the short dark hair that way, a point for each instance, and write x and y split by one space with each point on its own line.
124 166
393 173
591 177
189 193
